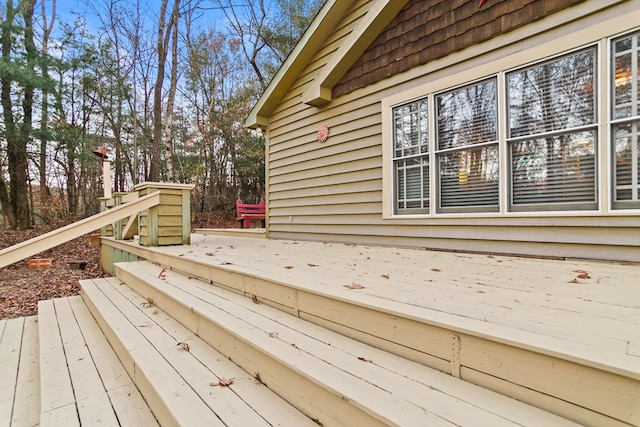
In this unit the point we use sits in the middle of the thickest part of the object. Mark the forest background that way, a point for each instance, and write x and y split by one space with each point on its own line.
164 85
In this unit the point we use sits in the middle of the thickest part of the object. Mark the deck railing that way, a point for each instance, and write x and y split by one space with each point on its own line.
159 212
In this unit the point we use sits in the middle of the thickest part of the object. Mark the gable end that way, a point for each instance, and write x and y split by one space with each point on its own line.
427 30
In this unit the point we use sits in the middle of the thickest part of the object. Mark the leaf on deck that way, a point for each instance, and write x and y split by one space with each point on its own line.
223 382
354 285
148 302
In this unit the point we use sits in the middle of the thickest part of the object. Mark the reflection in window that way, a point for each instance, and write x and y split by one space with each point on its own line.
552 134
467 141
411 157
625 98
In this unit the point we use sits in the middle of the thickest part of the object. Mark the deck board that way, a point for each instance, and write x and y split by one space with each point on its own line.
83 382
26 406
57 391
10 334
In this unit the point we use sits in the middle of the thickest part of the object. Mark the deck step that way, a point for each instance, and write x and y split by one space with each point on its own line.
183 383
333 379
82 382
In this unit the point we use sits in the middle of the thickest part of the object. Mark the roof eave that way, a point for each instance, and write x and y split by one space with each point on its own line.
329 15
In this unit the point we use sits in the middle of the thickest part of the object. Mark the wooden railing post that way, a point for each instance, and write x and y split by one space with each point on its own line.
105 231
117 226
169 223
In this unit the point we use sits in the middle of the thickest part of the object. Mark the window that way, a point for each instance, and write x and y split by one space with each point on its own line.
526 139
625 120
467 148
411 157
552 134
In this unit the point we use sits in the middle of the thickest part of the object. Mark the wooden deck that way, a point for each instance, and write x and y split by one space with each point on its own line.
330 333
554 333
585 310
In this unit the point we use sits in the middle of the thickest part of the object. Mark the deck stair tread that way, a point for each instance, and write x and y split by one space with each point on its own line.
519 302
177 382
82 381
385 387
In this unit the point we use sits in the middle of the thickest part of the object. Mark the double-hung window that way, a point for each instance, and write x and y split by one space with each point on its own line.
467 148
552 134
625 120
411 157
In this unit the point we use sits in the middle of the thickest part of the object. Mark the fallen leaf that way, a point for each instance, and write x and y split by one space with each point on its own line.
223 382
574 280
295 346
155 312
386 276
163 274
584 276
312 265
437 270
289 267
210 254
365 360
148 302
184 345
354 286
254 298
273 334
317 421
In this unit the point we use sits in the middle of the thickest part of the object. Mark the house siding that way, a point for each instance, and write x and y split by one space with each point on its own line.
333 190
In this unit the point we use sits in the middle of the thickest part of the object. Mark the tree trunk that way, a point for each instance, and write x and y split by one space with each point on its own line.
172 92
44 121
164 33
16 136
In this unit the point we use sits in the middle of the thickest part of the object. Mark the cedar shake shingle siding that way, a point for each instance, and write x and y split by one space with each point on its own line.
428 30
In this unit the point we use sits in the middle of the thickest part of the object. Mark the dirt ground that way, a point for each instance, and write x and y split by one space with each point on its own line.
21 288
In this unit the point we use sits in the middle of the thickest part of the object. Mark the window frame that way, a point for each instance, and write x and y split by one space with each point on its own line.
421 155
557 206
439 153
458 72
613 123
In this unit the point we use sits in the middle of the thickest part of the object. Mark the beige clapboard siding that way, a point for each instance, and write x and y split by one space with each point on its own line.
291 100
412 237
299 196
345 198
568 235
301 140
